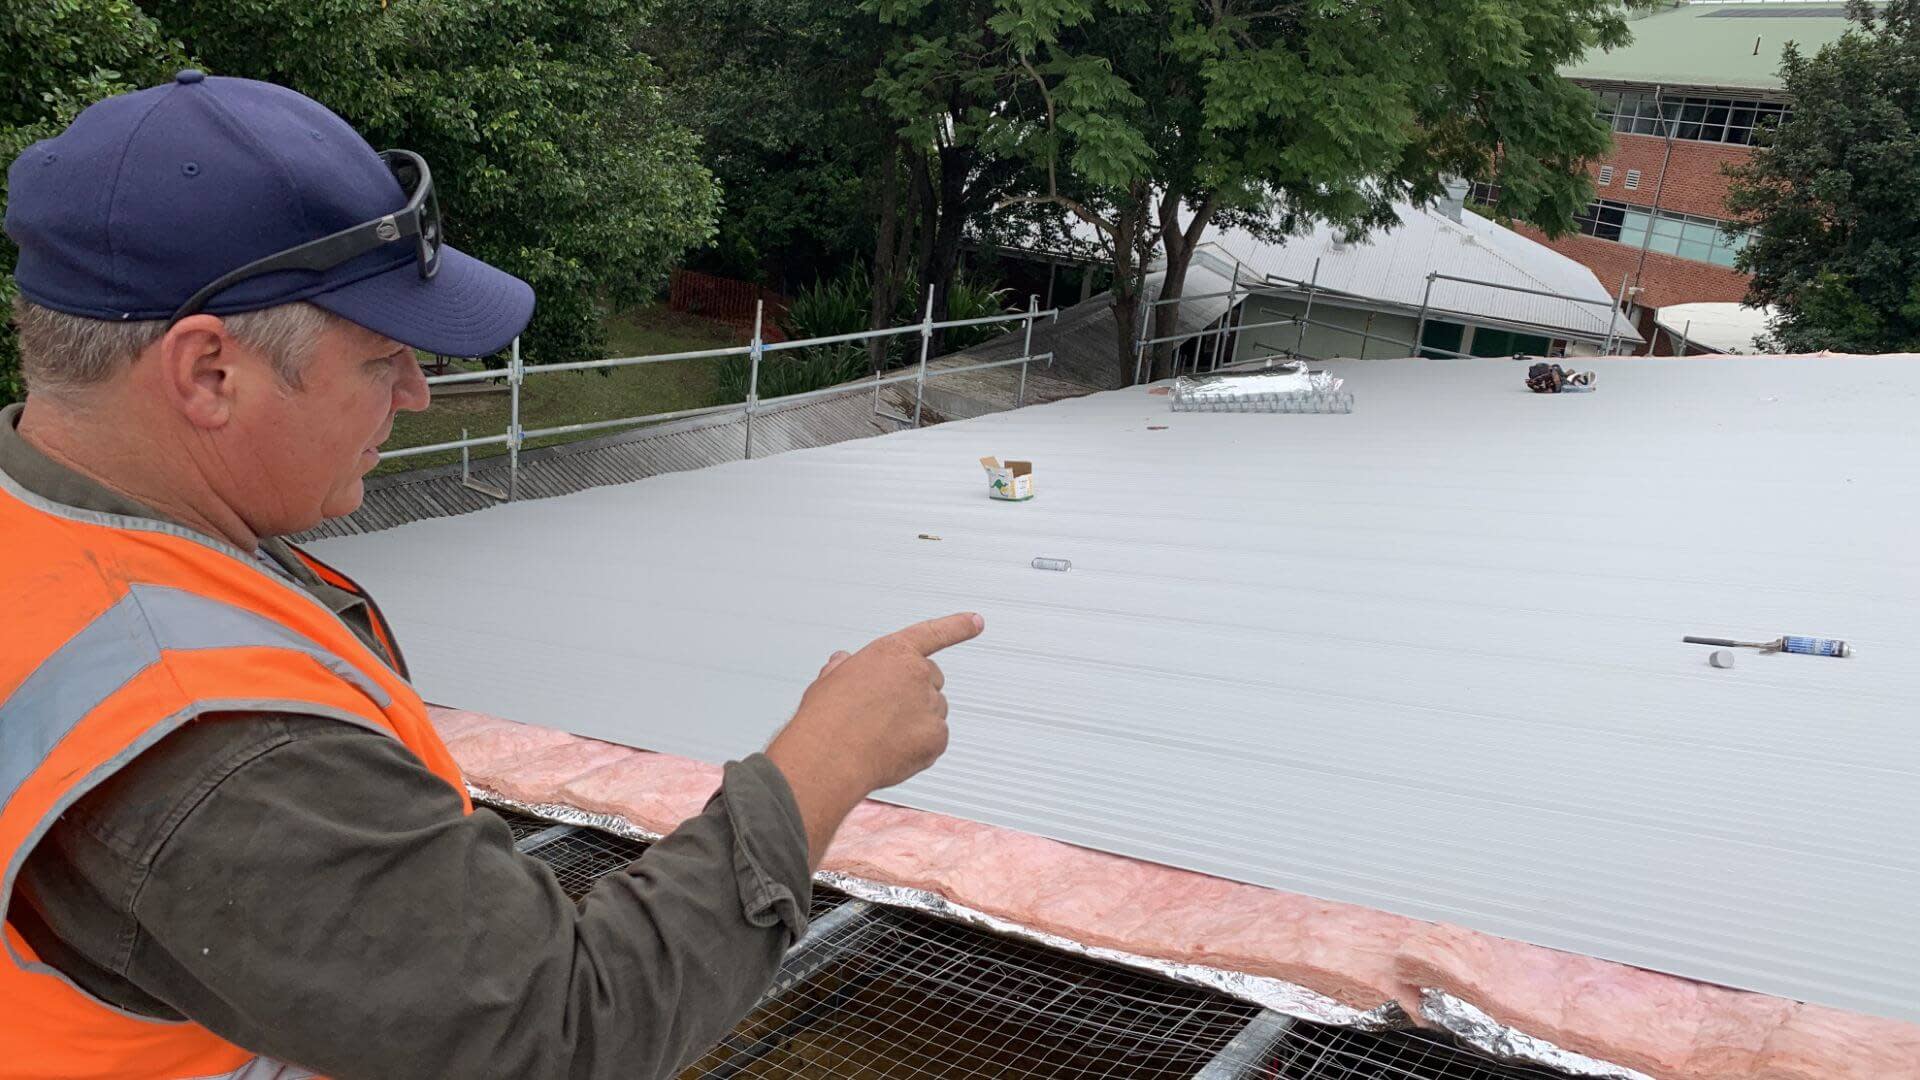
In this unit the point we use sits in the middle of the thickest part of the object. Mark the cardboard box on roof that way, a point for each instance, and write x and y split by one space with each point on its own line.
1012 481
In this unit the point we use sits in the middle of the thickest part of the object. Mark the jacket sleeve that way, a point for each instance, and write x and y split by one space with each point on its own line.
325 903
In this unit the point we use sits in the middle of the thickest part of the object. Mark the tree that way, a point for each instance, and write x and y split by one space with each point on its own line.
774 89
55 60
809 163
845 132
947 87
1835 226
1170 113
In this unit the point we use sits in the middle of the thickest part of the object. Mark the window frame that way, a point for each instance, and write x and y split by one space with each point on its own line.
1666 232
1691 117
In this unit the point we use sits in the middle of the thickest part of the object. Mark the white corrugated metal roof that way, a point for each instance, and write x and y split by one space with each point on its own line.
1425 657
1392 265
1732 328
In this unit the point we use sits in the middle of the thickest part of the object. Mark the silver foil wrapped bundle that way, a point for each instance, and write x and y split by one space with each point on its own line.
1284 388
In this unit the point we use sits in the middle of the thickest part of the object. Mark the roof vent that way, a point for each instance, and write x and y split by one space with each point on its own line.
1454 201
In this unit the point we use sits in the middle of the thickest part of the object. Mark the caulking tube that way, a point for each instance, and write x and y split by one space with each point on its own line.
1815 646
1806 646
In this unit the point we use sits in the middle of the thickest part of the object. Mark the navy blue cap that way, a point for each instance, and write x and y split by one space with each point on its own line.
150 196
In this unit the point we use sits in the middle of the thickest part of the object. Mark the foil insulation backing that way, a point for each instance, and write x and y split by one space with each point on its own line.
1439 1009
1284 388
1466 1022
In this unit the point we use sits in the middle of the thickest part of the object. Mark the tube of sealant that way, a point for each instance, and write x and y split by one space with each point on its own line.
1044 563
1815 646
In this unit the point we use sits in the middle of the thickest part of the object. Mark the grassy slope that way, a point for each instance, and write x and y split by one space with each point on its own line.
577 397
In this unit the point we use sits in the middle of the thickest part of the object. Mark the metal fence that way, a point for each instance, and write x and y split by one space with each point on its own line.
726 300
517 371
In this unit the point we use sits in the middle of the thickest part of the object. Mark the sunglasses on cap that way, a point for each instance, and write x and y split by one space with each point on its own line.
419 219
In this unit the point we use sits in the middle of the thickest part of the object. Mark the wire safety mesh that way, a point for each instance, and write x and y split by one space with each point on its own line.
824 900
909 997
1316 1052
521 825
583 857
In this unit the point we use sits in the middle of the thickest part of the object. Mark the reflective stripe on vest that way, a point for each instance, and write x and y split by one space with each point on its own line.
120 644
118 632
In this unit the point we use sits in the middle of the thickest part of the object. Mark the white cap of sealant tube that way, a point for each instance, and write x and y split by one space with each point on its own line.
1044 563
1721 658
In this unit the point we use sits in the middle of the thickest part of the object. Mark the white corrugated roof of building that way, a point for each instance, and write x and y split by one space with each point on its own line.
1392 265
1424 657
1731 328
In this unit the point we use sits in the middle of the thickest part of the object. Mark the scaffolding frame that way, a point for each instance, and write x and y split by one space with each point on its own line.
757 350
1232 323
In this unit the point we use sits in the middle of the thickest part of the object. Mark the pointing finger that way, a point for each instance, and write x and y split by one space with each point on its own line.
933 635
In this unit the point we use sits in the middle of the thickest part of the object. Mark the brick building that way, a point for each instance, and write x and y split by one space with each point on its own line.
1685 99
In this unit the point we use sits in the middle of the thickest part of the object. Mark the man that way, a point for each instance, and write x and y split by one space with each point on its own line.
232 843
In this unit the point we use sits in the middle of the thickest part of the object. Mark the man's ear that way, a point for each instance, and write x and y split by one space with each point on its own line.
199 369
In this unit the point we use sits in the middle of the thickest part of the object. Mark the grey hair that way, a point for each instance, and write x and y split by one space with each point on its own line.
62 353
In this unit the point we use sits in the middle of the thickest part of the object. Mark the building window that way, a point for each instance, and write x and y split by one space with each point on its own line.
1686 235
1441 340
1700 119
1601 218
1606 175
1633 180
1483 193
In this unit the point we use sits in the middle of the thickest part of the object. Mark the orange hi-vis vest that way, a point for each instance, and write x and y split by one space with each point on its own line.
118 631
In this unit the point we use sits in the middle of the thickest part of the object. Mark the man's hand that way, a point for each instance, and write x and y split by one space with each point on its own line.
870 720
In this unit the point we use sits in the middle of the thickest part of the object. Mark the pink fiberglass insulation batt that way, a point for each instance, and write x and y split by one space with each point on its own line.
1668 1027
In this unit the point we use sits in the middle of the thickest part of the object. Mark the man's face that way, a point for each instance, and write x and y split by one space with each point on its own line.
313 445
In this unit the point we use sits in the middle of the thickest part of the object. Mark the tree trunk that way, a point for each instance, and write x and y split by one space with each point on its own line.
884 278
903 252
1129 276
1126 315
1178 242
942 257
928 202
1166 322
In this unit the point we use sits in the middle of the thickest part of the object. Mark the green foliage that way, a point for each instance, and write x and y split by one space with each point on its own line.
1155 117
1836 241
56 58
774 90
969 298
842 306
794 372
12 387
823 309
1333 109
827 308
